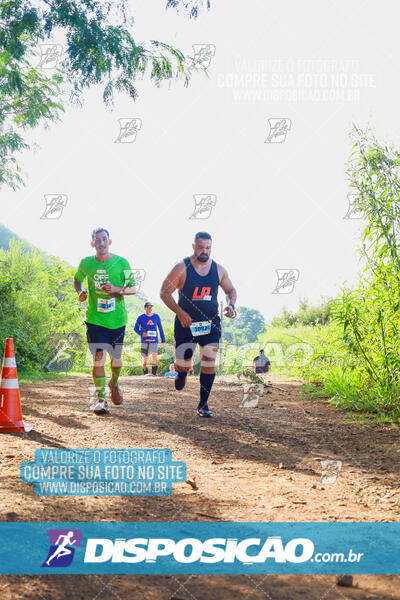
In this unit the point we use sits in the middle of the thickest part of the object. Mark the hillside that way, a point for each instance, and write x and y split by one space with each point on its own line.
6 235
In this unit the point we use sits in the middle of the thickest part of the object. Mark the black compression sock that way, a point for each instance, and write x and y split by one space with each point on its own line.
206 381
154 370
180 380
145 371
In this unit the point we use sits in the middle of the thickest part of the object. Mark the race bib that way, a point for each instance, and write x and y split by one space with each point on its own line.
151 333
200 327
105 305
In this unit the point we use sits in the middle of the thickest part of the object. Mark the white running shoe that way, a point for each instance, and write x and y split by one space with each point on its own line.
101 408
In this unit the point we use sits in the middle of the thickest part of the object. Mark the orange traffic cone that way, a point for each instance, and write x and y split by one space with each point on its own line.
10 403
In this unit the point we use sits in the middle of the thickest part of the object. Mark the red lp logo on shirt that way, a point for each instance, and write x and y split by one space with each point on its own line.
204 293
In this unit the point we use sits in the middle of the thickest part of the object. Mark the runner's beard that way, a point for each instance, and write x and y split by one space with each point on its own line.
202 257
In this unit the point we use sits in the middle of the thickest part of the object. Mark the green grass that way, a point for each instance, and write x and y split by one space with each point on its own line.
370 419
313 391
38 376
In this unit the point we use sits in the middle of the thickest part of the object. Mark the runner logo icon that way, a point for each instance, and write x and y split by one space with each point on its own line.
61 551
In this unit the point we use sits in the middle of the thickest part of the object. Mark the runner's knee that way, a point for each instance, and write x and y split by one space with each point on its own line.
116 363
99 358
208 370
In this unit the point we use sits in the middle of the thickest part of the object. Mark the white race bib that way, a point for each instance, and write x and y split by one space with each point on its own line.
105 305
151 333
200 327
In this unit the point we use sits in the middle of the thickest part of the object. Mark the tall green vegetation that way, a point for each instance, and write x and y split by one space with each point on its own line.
38 306
369 316
357 354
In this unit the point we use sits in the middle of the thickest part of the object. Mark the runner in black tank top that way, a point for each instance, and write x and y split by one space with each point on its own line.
197 321
199 298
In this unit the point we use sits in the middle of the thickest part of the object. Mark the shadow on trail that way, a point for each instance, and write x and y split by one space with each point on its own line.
224 445
284 429
298 434
63 421
40 438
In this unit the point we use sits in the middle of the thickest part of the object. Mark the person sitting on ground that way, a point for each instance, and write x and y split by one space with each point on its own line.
261 363
171 372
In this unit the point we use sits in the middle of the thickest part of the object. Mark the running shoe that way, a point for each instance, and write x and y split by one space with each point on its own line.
180 380
116 394
101 408
204 412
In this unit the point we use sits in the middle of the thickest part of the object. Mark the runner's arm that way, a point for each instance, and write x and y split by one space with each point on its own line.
122 290
78 285
230 292
79 278
109 288
171 283
137 327
129 290
161 330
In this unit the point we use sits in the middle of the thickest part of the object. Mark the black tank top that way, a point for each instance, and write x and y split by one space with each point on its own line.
199 295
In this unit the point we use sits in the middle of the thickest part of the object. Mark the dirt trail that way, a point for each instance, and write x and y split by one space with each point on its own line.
250 464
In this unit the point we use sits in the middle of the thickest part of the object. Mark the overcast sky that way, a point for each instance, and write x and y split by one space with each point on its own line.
280 202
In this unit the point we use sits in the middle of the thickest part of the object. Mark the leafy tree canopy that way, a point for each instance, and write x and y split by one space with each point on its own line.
305 315
245 328
100 49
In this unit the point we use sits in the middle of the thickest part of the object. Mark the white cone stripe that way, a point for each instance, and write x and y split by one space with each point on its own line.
9 362
9 384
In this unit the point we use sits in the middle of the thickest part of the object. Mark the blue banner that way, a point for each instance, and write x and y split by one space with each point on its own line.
200 548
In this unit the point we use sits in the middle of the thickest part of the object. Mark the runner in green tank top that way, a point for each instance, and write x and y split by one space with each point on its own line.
109 278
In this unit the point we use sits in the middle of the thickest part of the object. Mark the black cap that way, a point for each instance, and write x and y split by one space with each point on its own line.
148 304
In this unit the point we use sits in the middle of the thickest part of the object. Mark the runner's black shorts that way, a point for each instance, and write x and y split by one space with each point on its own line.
185 342
101 338
147 348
